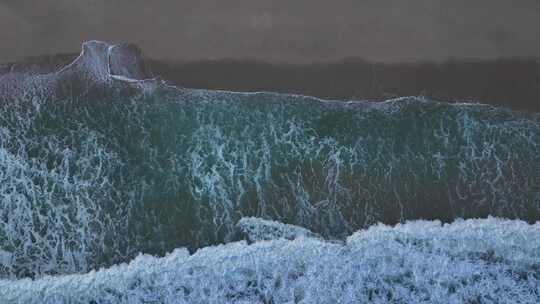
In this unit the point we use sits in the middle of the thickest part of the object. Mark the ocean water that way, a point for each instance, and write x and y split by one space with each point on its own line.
473 261
92 183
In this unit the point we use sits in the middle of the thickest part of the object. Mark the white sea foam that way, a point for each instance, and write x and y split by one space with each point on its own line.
469 261
255 230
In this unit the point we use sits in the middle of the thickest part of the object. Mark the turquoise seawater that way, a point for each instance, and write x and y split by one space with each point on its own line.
90 183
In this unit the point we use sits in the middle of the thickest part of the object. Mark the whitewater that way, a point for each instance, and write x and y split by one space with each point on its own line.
473 261
119 188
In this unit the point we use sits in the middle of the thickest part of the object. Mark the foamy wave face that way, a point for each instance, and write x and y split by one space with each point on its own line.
473 261
57 199
91 183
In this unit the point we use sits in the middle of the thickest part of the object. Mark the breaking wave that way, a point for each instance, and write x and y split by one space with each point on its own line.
89 183
472 261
